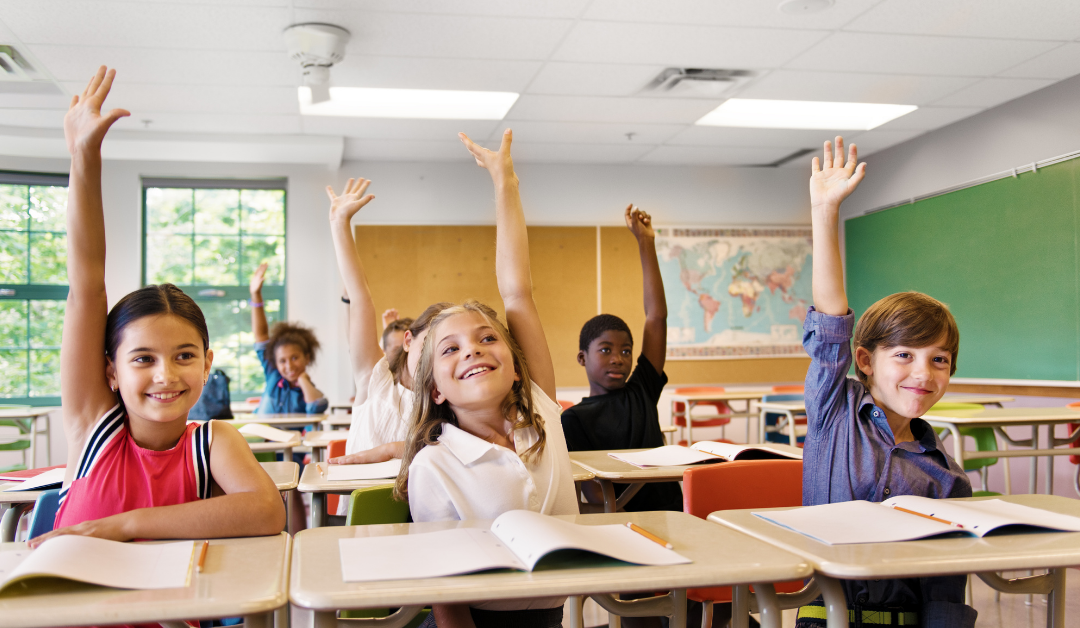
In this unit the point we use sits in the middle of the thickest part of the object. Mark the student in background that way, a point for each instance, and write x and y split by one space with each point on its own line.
136 468
620 411
485 436
394 328
864 438
285 352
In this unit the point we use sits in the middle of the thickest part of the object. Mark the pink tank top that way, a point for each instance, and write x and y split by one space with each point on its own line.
115 475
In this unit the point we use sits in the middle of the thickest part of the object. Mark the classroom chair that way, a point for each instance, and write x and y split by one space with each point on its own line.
985 440
736 486
680 414
566 405
775 423
1076 443
44 516
334 449
13 442
789 389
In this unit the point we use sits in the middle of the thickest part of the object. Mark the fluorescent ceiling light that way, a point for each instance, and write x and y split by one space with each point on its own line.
803 114
369 102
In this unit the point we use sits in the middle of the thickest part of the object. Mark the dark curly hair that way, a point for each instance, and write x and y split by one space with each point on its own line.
598 325
163 298
286 333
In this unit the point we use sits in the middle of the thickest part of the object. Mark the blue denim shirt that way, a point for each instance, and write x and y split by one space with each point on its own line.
281 397
850 454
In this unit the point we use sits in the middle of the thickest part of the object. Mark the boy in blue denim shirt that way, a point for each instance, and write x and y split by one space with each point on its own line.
865 439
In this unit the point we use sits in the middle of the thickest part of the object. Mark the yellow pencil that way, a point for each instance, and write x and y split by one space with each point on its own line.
649 535
202 557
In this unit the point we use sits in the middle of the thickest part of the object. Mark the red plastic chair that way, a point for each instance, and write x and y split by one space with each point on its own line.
680 413
566 405
1076 443
333 450
736 486
790 389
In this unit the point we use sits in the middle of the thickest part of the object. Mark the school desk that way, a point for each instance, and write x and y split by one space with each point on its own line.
720 557
691 400
319 440
609 472
243 407
31 420
337 420
285 474
276 420
1000 418
933 557
241 577
983 400
341 407
15 505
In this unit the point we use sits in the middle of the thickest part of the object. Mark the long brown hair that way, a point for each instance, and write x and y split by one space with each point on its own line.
398 361
909 319
425 425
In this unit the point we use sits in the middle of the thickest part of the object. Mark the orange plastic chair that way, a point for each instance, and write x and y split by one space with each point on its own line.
680 413
333 450
1076 443
790 389
566 405
736 486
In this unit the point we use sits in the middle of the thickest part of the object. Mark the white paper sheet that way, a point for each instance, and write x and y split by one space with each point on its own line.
268 432
666 456
428 555
50 479
373 471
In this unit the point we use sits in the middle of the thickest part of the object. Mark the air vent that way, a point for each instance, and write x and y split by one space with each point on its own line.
15 67
697 82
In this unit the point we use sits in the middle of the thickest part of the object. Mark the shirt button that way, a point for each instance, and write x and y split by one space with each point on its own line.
887 491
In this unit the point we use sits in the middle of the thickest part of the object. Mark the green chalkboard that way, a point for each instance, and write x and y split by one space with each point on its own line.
1003 255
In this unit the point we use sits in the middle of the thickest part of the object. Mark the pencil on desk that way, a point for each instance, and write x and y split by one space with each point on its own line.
938 519
649 535
202 557
318 467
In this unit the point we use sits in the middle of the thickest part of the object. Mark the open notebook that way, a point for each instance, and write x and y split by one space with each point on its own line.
518 539
98 561
909 517
268 432
53 478
372 471
703 451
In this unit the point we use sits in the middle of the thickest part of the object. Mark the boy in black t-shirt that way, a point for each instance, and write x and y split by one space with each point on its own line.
620 411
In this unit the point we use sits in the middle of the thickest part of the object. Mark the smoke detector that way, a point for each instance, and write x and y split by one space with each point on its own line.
697 82
317 47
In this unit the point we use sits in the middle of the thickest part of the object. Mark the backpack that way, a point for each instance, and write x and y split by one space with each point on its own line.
214 401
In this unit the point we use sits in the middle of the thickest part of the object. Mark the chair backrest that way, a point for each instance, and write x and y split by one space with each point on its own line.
334 449
44 516
742 484
721 406
1072 428
374 505
692 390
792 388
566 405
784 397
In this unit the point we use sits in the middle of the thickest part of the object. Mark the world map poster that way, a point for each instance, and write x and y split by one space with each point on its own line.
735 293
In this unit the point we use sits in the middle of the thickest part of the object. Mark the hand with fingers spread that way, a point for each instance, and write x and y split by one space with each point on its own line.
389 316
352 199
257 279
84 125
834 179
499 163
639 222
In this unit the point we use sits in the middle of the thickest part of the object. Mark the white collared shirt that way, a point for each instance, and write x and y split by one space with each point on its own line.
384 415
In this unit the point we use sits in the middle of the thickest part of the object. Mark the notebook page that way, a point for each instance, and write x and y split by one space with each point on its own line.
985 516
532 536
855 522
666 456
373 471
268 432
731 451
426 555
52 478
109 563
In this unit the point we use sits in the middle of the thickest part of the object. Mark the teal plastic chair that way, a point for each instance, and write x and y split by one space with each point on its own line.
984 441
772 420
372 506
44 517
15 445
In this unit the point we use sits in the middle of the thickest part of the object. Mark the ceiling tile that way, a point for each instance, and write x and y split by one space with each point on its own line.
717 155
918 54
929 118
511 8
587 132
434 73
34 101
992 91
1059 63
403 150
897 89
751 138
1005 19
122 24
726 13
35 117
447 36
591 109
593 79
397 129
870 142
579 153
212 123
684 46
141 97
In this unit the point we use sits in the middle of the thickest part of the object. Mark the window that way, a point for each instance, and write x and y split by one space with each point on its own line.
207 237
33 285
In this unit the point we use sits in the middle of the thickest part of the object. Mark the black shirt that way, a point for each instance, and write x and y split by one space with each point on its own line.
625 419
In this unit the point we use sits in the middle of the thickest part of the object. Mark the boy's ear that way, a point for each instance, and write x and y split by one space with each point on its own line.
863 361
581 358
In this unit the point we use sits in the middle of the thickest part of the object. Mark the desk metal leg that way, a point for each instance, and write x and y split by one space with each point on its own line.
397 619
262 620
577 612
740 606
836 610
318 510
611 504
1055 603
672 605
9 525
768 605
1049 460
1033 480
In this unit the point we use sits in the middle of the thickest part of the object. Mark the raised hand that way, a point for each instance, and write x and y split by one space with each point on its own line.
258 278
344 207
84 125
389 316
500 164
639 223
833 180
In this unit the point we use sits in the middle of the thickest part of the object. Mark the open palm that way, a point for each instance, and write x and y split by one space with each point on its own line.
84 125
352 199
499 162
834 179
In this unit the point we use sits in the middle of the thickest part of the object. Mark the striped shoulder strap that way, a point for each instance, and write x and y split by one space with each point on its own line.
108 428
201 438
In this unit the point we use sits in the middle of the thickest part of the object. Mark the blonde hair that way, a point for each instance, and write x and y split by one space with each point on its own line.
910 319
425 425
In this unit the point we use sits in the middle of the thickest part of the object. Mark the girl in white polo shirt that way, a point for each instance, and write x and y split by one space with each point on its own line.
486 435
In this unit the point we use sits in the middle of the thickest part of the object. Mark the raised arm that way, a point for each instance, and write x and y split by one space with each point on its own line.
512 269
259 327
831 182
654 340
84 387
364 351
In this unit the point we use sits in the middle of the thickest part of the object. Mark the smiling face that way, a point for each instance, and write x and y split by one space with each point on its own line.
473 367
160 367
291 361
608 361
906 381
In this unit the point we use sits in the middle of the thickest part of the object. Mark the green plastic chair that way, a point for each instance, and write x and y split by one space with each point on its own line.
372 506
984 441
15 445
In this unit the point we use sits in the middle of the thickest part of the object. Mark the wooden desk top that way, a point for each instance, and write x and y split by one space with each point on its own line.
276 420
311 481
980 399
322 438
337 420
243 407
27 413
1001 417
721 556
274 445
732 395
931 557
19 497
607 468
240 577
285 474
